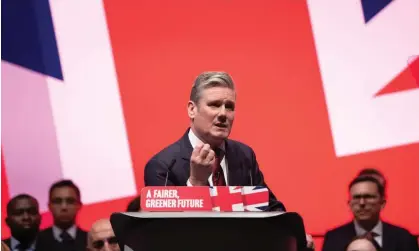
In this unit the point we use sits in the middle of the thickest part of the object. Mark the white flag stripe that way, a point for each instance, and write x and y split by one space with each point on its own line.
87 108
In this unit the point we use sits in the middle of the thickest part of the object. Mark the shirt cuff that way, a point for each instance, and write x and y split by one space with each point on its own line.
188 183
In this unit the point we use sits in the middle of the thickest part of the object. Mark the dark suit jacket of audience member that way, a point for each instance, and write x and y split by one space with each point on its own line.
47 242
8 243
173 162
394 238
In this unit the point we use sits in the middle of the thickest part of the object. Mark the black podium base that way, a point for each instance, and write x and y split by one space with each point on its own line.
209 231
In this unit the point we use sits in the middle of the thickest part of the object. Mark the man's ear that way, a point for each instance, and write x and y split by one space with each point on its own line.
192 109
383 203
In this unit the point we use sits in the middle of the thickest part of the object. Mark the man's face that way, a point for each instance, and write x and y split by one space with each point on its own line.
64 205
24 217
102 237
213 116
366 202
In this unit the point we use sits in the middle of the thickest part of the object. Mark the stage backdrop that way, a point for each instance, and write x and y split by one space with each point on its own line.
91 90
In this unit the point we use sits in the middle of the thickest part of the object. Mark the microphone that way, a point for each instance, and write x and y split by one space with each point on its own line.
251 178
169 169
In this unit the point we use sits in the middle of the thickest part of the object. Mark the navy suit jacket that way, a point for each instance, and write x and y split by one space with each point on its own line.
394 238
173 162
47 242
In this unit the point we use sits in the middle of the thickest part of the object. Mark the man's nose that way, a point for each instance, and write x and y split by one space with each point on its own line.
64 205
107 247
222 112
25 216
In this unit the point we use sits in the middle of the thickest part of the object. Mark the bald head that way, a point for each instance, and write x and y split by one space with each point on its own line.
101 237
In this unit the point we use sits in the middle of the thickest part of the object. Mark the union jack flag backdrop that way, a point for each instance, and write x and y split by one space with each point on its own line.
92 89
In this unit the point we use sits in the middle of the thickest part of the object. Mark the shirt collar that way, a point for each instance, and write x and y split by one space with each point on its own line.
72 231
378 229
195 140
14 243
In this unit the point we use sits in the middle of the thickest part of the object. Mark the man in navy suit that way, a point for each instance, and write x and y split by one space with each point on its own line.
204 156
64 235
367 199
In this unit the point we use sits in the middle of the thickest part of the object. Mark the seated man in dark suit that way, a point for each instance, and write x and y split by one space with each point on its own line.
23 219
64 204
366 202
204 156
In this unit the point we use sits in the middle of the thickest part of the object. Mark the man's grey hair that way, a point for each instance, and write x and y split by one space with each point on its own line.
210 79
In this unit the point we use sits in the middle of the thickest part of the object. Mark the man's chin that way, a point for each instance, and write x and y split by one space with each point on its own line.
221 135
361 218
66 221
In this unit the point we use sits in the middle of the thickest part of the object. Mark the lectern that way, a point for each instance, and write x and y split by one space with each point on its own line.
209 231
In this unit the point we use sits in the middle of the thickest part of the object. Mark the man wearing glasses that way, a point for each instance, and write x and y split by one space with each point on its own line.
366 202
101 237
64 204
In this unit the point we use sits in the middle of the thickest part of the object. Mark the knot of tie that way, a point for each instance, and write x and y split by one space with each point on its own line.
219 153
371 235
66 237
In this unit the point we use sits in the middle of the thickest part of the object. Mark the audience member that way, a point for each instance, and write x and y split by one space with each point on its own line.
134 205
363 243
101 237
23 219
366 202
64 204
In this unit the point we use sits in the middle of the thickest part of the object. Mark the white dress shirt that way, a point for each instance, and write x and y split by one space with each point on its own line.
56 231
194 142
378 229
14 243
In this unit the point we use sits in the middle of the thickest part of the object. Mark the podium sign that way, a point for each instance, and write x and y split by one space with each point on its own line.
204 198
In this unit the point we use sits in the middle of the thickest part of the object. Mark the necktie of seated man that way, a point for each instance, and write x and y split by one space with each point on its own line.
371 236
218 178
66 237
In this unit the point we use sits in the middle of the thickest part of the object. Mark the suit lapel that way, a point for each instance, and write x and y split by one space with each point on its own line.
350 231
81 239
185 146
235 167
182 168
388 241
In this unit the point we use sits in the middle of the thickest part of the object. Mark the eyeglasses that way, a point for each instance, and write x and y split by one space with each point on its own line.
100 243
366 197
